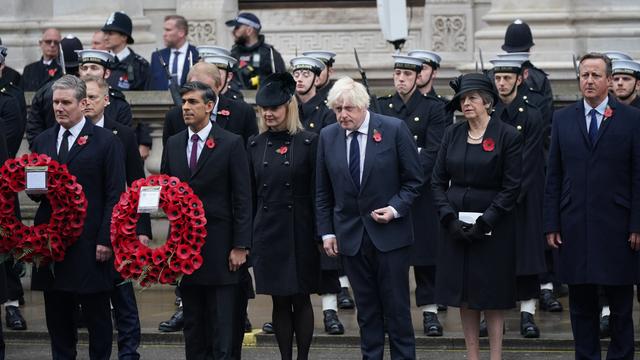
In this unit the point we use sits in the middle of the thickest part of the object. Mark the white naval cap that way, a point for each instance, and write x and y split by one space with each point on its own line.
524 56
502 65
408 62
99 57
629 67
307 63
204 50
327 57
429 57
222 61
617 55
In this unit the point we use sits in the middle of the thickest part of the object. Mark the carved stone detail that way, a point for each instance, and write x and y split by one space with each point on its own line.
449 33
202 32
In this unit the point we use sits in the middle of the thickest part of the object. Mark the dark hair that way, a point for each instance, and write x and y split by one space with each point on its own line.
603 57
205 91
181 22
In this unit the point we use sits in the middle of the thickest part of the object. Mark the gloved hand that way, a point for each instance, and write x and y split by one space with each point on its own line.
456 229
478 230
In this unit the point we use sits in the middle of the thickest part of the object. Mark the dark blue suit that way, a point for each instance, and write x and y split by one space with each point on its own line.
592 198
99 167
375 256
158 75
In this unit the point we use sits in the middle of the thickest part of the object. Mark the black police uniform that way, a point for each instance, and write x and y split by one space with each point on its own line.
530 244
314 114
14 138
36 74
538 81
233 92
10 76
636 102
130 73
256 61
425 117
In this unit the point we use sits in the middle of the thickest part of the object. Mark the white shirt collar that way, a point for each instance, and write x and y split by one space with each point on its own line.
123 54
183 49
100 122
364 127
202 134
75 129
47 62
600 108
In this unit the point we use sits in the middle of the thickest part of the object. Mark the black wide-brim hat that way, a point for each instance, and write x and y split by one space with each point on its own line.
120 22
276 90
470 82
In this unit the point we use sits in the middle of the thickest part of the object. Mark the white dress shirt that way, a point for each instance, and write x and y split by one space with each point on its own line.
100 122
181 58
599 112
75 131
202 134
122 54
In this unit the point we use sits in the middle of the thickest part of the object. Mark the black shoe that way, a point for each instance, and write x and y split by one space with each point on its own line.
176 323
484 332
431 324
247 325
14 319
442 307
178 301
345 301
267 328
548 302
604 327
528 327
332 324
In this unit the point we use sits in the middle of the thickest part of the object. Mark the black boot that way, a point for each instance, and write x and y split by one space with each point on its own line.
247 325
267 328
604 327
176 323
345 301
548 302
332 324
528 327
431 324
14 318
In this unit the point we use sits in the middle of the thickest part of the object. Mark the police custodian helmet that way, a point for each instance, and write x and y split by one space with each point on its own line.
518 37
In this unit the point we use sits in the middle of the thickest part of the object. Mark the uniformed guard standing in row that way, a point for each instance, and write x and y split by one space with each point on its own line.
9 75
626 74
312 110
527 119
222 59
427 77
425 117
328 58
256 59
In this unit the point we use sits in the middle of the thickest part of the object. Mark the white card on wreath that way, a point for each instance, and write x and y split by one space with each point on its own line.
149 200
36 179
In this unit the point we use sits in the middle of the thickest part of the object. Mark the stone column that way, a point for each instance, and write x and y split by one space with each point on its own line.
206 20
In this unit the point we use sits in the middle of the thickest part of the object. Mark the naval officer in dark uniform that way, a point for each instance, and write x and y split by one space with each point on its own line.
427 77
313 112
328 58
626 74
425 118
221 57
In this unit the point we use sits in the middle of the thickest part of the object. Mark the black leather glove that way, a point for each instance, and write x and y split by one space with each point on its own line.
456 229
477 231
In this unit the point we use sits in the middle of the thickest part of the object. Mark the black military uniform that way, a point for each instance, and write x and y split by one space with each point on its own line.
425 117
315 115
10 76
328 59
130 73
254 62
233 92
36 74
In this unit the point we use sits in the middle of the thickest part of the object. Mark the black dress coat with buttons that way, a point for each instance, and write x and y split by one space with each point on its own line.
530 244
481 178
285 252
425 117
314 114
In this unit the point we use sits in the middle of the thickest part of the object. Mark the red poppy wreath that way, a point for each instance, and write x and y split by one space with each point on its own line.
44 243
180 254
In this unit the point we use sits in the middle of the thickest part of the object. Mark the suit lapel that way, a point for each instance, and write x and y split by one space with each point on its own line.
340 147
206 151
188 60
52 147
373 147
87 130
604 125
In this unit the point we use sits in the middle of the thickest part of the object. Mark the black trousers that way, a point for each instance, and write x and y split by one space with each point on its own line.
60 308
380 282
330 282
125 307
210 321
425 285
527 287
585 321
14 286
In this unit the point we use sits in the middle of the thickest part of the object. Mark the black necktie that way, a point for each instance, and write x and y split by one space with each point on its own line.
64 147
593 126
354 159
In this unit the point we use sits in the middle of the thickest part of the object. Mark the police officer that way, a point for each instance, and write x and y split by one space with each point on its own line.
328 58
312 110
425 117
222 59
130 71
527 119
256 59
427 77
626 74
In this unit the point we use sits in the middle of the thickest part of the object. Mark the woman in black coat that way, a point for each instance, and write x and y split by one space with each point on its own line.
284 253
477 172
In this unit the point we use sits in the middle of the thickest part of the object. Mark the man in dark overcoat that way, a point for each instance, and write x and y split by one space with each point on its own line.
368 175
85 275
592 208
213 162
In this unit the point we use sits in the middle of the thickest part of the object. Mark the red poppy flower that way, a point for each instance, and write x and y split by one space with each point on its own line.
175 265
187 268
488 144
608 112
52 72
377 136
224 112
183 251
82 140
196 261
282 150
210 143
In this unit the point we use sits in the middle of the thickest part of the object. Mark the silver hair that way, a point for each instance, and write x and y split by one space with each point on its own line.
70 82
349 90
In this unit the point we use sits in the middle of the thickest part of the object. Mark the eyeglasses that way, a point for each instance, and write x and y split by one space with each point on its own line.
50 42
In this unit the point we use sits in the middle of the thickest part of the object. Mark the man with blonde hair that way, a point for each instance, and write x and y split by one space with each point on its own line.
367 219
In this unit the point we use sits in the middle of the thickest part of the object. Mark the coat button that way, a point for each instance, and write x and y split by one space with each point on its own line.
265 163
521 109
286 163
265 208
519 127
269 143
265 186
312 125
287 185
391 106
287 142
525 97
416 119
289 207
